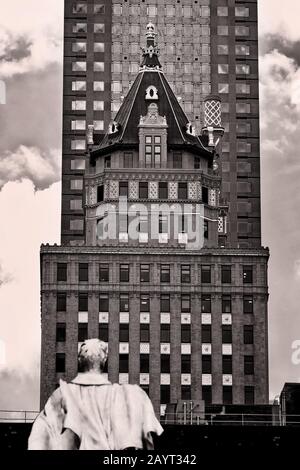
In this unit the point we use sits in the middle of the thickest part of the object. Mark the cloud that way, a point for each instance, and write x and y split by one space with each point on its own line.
28 218
42 169
276 16
4 277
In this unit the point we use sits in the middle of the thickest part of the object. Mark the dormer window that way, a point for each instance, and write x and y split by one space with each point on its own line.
152 93
190 129
153 151
113 128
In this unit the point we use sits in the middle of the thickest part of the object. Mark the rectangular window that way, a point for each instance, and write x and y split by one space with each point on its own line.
98 46
223 49
243 89
60 332
98 105
185 303
242 69
123 189
99 126
222 30
249 365
197 163
185 333
145 303
227 365
99 9
99 28
60 363
100 193
79 66
163 224
128 160
124 272
248 334
248 304
223 87
99 86
61 302
165 304
77 144
206 364
104 303
223 69
83 303
226 303
205 274
124 333
165 394
143 190
227 395
206 303
242 12
76 224
165 274
152 10
163 190
83 271
247 274
78 125
145 273
185 274
123 363
206 334
124 303
80 28
78 85
104 273
79 47
79 105
242 49
242 30
222 11
226 274
62 272
82 332
165 364
186 392
107 162
226 334
182 191
177 160
144 333
249 395
186 364
243 108
207 394
80 8
144 363
103 332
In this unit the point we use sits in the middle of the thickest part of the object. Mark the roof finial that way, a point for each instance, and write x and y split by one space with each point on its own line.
151 52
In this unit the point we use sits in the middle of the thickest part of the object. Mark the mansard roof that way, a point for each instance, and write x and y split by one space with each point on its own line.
124 131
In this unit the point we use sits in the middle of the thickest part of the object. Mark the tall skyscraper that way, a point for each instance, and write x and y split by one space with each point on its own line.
207 46
152 262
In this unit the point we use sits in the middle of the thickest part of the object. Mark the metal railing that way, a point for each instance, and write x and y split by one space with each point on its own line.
17 416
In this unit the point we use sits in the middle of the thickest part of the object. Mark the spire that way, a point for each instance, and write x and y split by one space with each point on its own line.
151 52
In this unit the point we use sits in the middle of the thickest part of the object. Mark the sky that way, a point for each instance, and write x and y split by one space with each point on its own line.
30 154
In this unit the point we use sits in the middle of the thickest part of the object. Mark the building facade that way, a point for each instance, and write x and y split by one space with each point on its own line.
184 312
207 46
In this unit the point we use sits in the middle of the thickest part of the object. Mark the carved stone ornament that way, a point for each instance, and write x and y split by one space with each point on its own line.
153 117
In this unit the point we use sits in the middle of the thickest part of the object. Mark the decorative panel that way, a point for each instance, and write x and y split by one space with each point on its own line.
165 379
113 189
206 349
145 348
206 379
103 317
226 349
145 318
227 380
133 190
212 197
173 190
165 348
193 193
123 379
206 319
144 379
186 379
153 190
83 317
226 319
165 318
124 317
124 348
186 349
186 318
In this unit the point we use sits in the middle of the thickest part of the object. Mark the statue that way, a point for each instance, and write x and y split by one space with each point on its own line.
91 413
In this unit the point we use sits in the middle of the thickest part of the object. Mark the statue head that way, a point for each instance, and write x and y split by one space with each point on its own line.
92 355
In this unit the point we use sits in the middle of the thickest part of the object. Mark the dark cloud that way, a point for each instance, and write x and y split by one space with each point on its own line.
272 42
19 390
19 49
4 277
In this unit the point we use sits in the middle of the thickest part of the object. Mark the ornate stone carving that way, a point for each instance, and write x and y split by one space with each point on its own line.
133 190
212 197
153 117
173 190
113 190
192 191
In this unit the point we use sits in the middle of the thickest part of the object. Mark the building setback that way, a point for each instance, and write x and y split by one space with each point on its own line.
207 46
183 310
